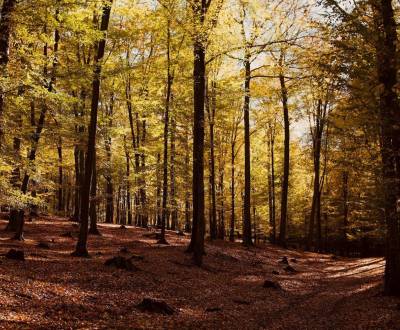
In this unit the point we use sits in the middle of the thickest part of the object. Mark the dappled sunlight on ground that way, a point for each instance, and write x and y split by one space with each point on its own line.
52 290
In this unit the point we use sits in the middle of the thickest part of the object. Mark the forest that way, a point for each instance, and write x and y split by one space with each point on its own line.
212 164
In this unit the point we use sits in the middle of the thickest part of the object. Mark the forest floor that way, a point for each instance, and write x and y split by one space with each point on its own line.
52 290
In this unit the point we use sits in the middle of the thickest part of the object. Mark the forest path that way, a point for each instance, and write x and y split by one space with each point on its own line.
52 290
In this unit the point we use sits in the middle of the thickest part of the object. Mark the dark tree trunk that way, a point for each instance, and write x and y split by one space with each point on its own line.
286 163
199 70
247 174
210 107
174 206
387 67
81 247
271 187
108 175
158 193
128 185
60 195
188 224
169 81
15 175
143 194
232 224
93 200
315 216
221 226
5 32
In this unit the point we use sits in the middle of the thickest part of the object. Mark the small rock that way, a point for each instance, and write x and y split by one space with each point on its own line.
67 234
124 250
275 272
120 263
137 257
241 302
43 245
213 309
271 284
155 306
284 260
290 269
15 255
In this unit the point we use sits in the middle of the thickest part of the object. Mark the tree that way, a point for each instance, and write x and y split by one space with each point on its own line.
81 247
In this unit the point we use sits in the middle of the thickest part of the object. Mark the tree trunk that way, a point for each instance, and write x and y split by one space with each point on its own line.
247 174
174 206
128 185
81 247
232 224
286 163
5 32
93 200
108 175
387 68
199 70
210 107
60 195
271 187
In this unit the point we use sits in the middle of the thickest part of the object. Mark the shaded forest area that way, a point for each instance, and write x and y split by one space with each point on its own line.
195 146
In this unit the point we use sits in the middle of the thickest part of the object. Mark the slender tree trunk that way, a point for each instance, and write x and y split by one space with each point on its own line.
108 175
271 187
210 107
232 224
247 174
345 192
221 227
158 193
174 207
60 195
286 163
93 203
128 185
164 214
188 225
143 194
81 247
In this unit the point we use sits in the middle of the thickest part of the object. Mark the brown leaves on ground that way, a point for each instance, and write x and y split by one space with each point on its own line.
52 290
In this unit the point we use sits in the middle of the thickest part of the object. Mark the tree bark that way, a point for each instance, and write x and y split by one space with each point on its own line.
247 174
286 163
93 200
5 32
81 247
199 70
60 195
210 107
387 67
